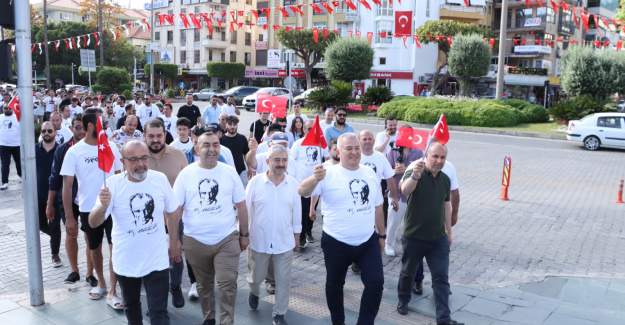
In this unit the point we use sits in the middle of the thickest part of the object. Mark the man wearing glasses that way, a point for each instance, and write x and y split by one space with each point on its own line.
339 127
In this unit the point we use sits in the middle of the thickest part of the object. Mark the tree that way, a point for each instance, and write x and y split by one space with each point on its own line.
301 41
111 79
337 93
594 73
621 10
348 59
469 59
163 70
90 9
427 34
225 70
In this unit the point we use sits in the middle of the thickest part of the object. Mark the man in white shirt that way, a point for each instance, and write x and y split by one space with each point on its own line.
210 115
120 107
351 204
50 101
81 164
127 132
297 112
275 224
139 201
385 140
75 107
63 134
328 118
258 161
169 120
66 115
146 111
230 107
213 200
9 145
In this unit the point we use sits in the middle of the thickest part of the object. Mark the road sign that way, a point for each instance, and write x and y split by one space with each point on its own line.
290 83
87 60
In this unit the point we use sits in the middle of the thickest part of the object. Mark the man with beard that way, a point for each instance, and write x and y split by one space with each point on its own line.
190 111
9 145
147 110
213 200
211 112
275 225
169 161
81 165
140 201
236 142
339 127
352 213
385 140
62 133
44 154
54 206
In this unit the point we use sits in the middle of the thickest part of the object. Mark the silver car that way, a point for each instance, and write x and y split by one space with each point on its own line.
204 94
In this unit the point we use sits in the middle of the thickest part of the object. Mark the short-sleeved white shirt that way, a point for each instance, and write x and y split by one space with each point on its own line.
262 166
380 138
348 202
305 159
450 170
9 131
137 209
81 161
379 164
208 197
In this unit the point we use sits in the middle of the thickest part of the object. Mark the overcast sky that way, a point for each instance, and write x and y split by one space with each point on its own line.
126 3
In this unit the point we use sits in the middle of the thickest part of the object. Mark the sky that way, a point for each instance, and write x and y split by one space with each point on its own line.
137 4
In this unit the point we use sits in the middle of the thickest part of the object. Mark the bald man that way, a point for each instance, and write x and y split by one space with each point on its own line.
127 132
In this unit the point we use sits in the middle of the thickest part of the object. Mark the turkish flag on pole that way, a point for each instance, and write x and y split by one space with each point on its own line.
14 105
275 105
315 136
412 138
440 132
106 158
403 23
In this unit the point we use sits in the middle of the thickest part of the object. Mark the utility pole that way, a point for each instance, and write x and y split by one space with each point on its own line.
27 152
45 44
100 28
503 31
152 47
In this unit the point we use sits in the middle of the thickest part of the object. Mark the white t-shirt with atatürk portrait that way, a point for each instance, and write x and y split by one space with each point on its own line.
209 197
137 209
348 202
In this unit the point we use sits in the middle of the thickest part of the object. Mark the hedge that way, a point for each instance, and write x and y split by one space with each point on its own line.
483 112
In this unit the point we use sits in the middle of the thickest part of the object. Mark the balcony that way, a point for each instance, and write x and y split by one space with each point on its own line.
215 43
344 14
528 71
472 14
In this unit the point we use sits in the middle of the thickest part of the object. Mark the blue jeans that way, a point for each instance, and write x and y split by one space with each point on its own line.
156 289
338 256
436 253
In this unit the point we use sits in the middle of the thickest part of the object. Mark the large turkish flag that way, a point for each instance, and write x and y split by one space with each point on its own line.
403 23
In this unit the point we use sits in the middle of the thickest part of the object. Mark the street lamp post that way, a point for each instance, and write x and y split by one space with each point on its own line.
73 83
152 47
503 30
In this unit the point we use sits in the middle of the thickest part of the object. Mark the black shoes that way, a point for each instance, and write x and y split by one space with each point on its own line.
93 282
72 278
279 320
310 239
271 288
209 322
355 268
253 301
177 299
418 288
402 308
451 322
302 243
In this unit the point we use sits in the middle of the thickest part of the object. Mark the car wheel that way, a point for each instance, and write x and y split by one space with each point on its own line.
592 143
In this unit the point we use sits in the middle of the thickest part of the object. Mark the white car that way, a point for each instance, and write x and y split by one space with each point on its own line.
598 130
303 97
249 102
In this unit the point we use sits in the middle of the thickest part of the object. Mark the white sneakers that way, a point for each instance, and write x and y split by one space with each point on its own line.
193 292
389 251
4 186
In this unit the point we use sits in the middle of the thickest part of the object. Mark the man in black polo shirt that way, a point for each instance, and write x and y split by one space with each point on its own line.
189 111
427 229
237 143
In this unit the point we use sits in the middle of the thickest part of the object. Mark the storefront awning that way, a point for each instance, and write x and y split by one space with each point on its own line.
524 80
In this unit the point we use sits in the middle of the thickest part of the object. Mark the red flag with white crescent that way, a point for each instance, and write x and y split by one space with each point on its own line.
440 131
315 137
412 138
403 23
14 105
106 158
275 105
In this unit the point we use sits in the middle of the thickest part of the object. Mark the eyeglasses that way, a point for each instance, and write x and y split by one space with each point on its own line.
341 115
47 131
136 159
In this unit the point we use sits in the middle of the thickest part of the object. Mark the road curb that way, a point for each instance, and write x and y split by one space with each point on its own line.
380 121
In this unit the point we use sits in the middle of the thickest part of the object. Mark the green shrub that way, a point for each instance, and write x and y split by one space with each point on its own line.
578 107
127 93
377 95
534 114
170 93
337 93
111 79
495 115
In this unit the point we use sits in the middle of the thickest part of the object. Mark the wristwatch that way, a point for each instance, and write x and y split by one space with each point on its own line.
382 236
414 178
244 235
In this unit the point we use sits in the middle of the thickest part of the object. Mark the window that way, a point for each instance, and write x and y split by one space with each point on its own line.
248 39
196 35
196 9
233 56
261 57
261 37
210 55
157 36
223 35
382 27
183 37
233 37
223 56
196 56
170 36
65 16
183 57
609 122
382 61
248 58
386 8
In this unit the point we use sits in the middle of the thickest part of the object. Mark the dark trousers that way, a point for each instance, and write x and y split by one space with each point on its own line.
338 256
156 290
307 224
52 229
436 253
5 159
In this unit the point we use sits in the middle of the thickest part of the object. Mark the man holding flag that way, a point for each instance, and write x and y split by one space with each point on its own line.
90 162
10 141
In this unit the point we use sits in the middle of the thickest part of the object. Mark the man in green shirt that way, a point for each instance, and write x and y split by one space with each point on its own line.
427 231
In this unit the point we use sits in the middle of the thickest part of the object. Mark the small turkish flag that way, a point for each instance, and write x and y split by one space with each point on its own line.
403 23
440 132
106 158
315 136
411 138
14 105
275 105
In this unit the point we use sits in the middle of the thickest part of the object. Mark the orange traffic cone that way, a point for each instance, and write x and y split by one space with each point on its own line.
504 193
619 195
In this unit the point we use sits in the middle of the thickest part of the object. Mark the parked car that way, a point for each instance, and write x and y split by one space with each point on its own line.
598 130
239 92
303 97
249 102
204 94
620 106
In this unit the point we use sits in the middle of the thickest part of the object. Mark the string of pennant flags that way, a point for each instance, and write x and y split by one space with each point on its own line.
210 20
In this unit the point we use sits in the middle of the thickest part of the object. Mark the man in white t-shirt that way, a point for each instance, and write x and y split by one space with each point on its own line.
75 107
169 120
215 226
9 145
146 111
351 204
328 118
139 201
183 141
385 140
81 165
127 132
63 134
275 224
258 161
66 116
